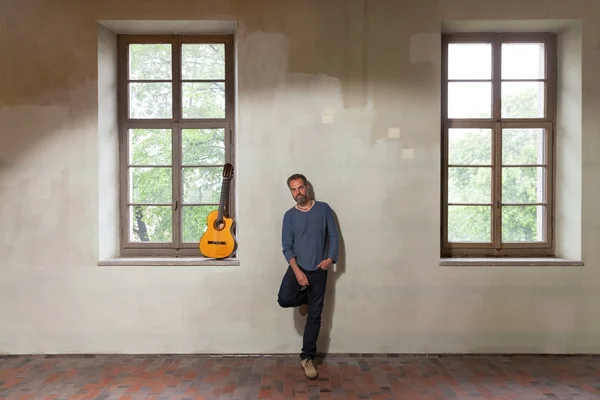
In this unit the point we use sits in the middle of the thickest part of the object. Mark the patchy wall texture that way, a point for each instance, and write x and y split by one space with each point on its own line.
378 66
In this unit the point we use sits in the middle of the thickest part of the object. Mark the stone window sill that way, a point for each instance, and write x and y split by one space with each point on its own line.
168 262
509 262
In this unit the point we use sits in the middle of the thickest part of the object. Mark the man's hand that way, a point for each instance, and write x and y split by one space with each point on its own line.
325 263
301 278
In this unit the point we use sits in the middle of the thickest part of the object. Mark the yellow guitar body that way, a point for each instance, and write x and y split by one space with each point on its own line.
218 241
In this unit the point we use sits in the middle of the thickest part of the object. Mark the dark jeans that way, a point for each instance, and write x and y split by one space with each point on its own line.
291 295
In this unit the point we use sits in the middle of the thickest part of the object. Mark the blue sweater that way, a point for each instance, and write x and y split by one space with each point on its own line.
310 236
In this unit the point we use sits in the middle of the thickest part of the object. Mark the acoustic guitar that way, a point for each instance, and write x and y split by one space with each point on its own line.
219 240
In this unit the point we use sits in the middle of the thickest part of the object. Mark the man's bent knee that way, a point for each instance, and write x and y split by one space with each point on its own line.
285 303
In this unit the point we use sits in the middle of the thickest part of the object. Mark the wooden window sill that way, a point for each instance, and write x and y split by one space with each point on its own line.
168 262
509 262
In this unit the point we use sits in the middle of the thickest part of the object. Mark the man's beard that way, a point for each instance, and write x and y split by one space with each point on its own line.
301 199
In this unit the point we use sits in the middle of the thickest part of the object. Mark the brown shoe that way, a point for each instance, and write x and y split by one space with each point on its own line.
303 309
309 368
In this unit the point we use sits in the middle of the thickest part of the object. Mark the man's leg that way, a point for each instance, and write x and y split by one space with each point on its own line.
290 291
316 299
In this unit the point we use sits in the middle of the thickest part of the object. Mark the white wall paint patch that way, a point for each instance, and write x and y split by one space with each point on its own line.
394 133
327 117
408 154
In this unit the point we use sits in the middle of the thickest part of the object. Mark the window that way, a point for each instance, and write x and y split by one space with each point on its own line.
176 115
498 114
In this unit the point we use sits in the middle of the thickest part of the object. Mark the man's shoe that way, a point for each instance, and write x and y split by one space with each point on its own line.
309 368
303 309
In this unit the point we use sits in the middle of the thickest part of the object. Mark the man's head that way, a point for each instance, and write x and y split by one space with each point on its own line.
298 186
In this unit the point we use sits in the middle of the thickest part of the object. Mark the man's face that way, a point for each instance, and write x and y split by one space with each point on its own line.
299 191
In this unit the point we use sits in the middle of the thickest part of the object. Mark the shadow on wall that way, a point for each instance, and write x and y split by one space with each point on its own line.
333 274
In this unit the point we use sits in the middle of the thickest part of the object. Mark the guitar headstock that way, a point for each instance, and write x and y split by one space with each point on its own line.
228 171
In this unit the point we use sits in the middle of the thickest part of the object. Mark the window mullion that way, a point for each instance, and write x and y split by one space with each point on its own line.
176 79
497 145
497 79
176 144
497 186
177 199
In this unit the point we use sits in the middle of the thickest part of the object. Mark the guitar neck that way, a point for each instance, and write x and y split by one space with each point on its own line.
224 195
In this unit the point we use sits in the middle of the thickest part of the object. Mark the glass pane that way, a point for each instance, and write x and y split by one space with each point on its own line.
469 100
203 146
150 224
469 224
523 184
150 146
150 185
523 100
202 185
470 61
523 223
203 100
203 61
194 222
523 146
523 61
150 61
469 185
469 146
150 100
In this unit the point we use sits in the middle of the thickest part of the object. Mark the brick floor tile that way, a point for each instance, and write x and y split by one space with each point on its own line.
347 377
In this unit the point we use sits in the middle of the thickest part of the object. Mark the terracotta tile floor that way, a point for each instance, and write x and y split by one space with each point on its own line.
280 377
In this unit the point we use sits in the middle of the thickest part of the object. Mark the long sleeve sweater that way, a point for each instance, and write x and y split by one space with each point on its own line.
310 236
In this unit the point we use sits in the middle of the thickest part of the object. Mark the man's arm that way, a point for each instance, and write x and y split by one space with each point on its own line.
332 232
287 242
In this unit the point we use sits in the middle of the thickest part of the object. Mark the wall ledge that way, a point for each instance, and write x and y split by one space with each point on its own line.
167 262
510 262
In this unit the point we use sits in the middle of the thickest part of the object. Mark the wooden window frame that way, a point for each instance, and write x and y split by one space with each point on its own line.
176 248
496 248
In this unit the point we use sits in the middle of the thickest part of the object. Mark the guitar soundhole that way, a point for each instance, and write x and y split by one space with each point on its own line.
219 225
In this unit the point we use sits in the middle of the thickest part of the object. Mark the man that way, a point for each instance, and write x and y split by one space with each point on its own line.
310 245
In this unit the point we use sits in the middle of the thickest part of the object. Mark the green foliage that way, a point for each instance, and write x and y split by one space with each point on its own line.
519 184
151 153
